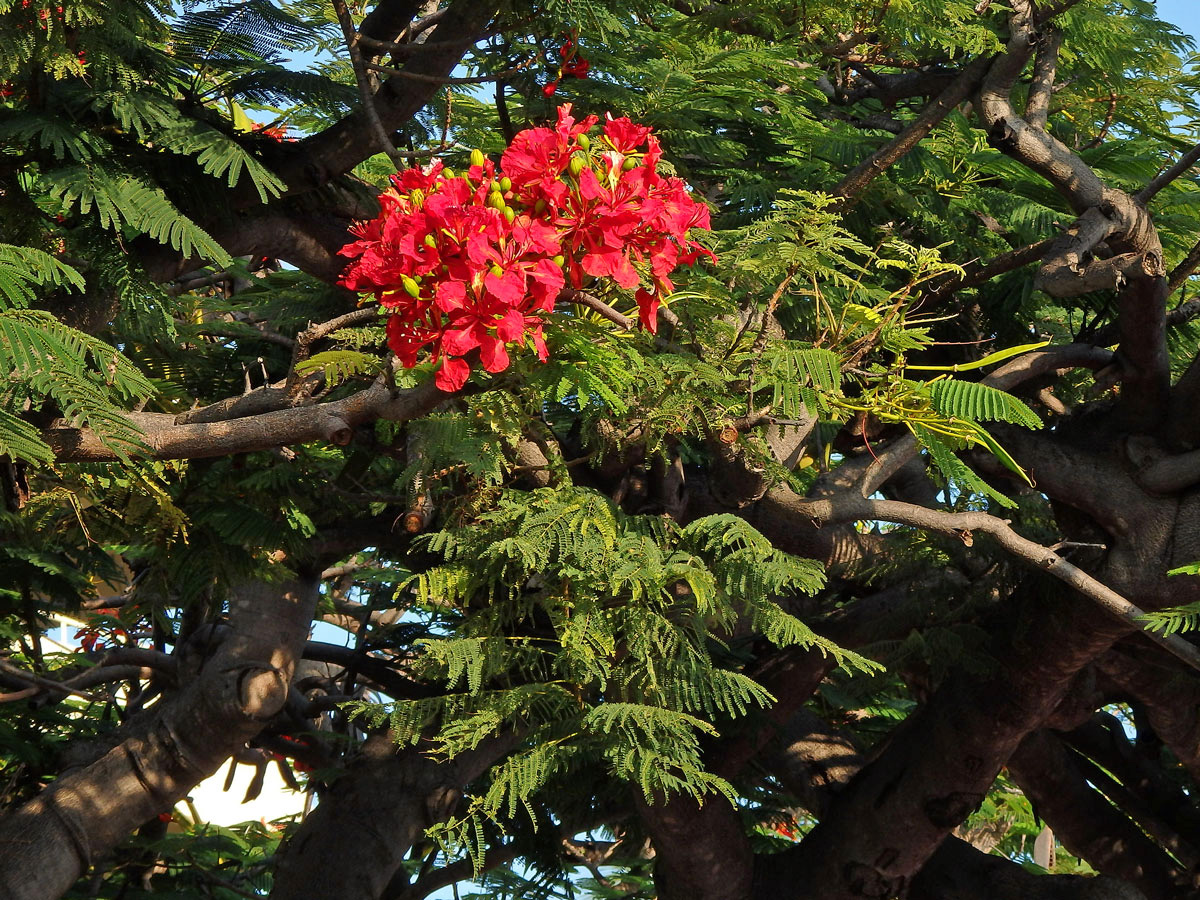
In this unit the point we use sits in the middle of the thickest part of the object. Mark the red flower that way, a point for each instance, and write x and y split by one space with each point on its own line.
277 133
549 88
578 67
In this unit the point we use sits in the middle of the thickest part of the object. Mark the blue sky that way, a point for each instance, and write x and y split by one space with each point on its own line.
1185 14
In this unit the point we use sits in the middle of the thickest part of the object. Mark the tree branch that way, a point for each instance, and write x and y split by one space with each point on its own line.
49 842
333 422
1085 822
856 182
335 151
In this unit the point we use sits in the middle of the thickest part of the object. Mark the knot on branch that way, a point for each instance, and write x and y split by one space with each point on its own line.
868 881
336 431
262 690
952 809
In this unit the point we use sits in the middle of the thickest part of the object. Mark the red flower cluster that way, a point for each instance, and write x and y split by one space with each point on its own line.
98 635
573 64
470 262
277 133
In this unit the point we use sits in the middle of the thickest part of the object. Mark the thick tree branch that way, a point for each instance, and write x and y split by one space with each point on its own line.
317 160
333 422
382 806
1106 214
1085 822
1041 89
239 684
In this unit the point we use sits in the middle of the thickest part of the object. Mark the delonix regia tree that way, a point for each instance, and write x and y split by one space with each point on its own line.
795 500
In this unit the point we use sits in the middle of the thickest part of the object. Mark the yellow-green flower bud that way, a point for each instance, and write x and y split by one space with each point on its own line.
576 166
509 214
629 163
495 200
430 242
506 184
477 157
584 142
560 260
410 287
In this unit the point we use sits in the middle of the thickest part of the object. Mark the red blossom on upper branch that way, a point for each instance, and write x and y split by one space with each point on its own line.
470 262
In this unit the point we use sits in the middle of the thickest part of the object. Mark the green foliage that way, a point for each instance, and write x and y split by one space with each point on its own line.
597 637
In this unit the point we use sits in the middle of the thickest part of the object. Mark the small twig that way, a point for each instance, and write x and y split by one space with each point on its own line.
1182 272
596 305
1185 162
313 333
46 684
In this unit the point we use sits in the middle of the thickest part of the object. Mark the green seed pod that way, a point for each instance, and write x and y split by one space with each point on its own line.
584 142
477 157
410 287
509 214
576 166
506 184
629 163
560 260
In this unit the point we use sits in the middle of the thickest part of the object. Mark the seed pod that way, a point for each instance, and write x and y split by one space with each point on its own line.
410 287
477 157
506 184
576 166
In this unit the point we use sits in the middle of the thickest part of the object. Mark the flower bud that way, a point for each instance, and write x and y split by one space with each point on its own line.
506 184
584 142
576 166
509 214
477 157
447 173
629 163
539 207
495 200
560 260
430 242
497 271
410 287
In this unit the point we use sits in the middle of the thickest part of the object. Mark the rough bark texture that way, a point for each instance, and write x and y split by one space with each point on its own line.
232 688
379 809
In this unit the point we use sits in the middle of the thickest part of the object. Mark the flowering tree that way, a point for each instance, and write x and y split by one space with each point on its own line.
707 451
